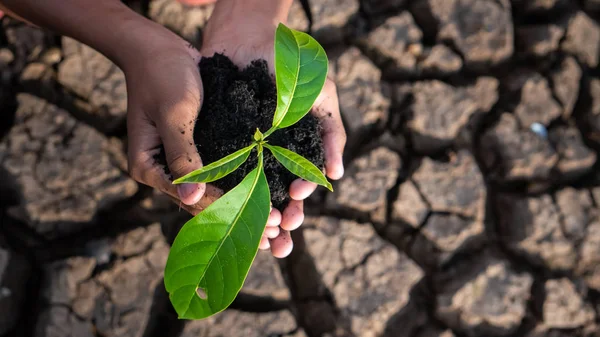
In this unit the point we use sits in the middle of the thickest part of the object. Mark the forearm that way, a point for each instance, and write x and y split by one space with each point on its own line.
107 25
10 13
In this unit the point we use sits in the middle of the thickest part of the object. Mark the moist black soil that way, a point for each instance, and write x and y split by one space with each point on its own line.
236 103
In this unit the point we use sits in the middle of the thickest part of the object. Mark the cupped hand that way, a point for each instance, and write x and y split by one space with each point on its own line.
164 97
244 41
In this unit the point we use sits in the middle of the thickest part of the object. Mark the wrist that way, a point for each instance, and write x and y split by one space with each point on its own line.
143 39
127 38
271 11
261 12
246 19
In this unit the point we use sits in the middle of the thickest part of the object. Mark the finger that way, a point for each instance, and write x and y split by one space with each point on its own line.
327 109
293 215
211 195
282 245
301 189
264 243
176 129
271 232
190 209
142 149
274 218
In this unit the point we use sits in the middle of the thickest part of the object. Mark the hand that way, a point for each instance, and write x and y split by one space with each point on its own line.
245 37
164 97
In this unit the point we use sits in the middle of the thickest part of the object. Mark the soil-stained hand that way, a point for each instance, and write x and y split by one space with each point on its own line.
164 96
327 109
244 35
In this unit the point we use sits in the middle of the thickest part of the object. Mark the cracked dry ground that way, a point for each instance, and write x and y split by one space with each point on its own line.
454 218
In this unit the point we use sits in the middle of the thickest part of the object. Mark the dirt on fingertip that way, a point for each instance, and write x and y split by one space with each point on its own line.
236 103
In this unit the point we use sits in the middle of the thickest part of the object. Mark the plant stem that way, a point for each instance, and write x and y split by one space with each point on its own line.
270 131
260 148
260 157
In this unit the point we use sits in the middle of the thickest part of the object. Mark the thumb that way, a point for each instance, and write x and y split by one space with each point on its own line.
177 135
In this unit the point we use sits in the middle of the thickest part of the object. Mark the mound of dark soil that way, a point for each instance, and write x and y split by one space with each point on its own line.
236 102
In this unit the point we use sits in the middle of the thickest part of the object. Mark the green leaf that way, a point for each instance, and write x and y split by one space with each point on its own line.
258 136
300 71
213 252
218 169
299 166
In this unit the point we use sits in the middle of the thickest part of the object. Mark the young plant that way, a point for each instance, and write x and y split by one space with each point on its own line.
210 258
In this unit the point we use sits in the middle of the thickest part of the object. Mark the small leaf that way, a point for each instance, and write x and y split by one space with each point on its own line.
218 169
299 166
211 255
300 71
258 136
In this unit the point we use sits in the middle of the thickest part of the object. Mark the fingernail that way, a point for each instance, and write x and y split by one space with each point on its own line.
338 173
186 192
341 170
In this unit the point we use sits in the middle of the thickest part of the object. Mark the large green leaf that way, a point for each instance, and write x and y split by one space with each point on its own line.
218 169
213 252
300 71
299 165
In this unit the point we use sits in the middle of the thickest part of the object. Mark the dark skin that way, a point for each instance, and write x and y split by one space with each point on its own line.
164 89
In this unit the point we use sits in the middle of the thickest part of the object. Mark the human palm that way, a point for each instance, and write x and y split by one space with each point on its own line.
243 45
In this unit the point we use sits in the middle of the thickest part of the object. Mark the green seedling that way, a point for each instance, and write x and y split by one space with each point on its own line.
212 254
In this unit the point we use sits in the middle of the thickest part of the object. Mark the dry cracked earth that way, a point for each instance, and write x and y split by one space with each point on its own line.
470 205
